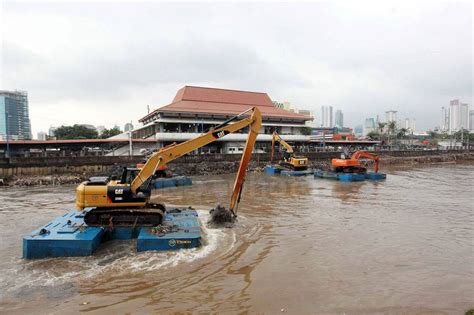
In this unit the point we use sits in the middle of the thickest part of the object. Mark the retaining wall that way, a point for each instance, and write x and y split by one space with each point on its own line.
189 164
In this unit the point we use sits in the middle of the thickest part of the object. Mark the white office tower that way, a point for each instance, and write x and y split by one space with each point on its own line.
458 116
390 116
471 120
339 119
444 125
410 124
326 117
369 126
464 116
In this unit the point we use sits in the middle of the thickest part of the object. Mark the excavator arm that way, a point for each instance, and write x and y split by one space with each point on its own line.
276 138
362 154
167 155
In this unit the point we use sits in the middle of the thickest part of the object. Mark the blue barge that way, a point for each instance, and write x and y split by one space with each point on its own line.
278 170
349 177
68 235
174 181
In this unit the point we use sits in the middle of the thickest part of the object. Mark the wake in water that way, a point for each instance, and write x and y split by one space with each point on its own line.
116 257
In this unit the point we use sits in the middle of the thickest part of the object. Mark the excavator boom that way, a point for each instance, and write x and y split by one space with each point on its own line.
113 197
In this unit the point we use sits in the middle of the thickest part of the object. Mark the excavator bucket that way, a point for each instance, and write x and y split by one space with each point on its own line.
220 216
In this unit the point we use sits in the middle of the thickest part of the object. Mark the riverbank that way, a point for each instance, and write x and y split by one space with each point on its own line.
206 166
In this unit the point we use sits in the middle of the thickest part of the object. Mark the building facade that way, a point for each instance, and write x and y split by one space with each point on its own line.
195 110
14 116
339 119
369 126
458 116
444 125
390 115
326 117
471 120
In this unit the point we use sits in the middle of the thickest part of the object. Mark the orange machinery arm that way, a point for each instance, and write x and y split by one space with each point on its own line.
169 154
362 154
276 138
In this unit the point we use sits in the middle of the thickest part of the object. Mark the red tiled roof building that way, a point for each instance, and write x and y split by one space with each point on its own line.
196 109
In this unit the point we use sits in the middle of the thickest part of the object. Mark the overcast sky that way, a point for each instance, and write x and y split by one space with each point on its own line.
103 63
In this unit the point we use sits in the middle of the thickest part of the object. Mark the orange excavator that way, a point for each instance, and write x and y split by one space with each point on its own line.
353 165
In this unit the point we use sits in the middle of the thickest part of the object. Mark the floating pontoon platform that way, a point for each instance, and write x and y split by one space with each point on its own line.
172 182
68 235
349 177
276 169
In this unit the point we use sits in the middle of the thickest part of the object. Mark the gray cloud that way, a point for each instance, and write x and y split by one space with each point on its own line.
108 58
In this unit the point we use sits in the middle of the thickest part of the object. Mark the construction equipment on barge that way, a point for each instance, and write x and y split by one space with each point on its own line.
351 170
126 201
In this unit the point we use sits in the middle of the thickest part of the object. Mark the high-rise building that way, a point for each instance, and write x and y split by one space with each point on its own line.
471 120
326 117
444 126
51 131
390 116
458 116
464 116
369 126
14 115
42 135
410 124
359 130
339 119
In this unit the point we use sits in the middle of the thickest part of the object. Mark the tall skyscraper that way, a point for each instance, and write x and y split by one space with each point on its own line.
471 120
326 117
410 124
14 115
444 126
339 119
369 126
458 116
464 116
390 116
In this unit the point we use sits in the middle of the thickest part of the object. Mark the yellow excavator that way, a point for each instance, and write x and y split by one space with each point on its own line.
126 201
290 160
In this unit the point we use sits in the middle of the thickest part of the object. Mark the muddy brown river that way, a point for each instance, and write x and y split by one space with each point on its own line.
301 246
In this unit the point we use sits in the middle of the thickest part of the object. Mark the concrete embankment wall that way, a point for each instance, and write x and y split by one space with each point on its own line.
199 164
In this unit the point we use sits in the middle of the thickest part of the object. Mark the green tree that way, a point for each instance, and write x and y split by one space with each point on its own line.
373 135
392 127
306 131
381 127
107 133
402 133
75 132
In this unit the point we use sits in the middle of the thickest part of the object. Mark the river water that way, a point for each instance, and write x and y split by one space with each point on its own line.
301 246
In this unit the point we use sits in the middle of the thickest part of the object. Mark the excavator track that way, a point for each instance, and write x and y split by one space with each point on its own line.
152 215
